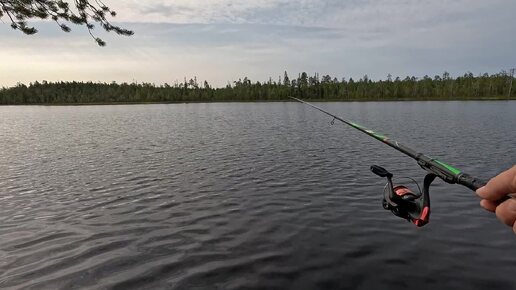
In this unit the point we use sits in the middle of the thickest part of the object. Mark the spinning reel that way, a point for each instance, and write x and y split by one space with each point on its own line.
403 201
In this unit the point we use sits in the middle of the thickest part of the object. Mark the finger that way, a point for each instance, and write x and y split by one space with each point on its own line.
506 212
488 205
499 186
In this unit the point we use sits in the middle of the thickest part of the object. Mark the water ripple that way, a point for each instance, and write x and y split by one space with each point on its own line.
243 196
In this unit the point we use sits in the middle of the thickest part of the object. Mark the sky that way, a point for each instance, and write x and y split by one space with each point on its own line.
223 40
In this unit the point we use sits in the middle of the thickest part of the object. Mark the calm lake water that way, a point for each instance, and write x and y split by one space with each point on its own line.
246 196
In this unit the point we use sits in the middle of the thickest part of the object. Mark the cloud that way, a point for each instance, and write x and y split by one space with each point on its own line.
223 40
377 21
325 13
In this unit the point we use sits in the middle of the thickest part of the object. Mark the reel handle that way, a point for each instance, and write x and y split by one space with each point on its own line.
380 171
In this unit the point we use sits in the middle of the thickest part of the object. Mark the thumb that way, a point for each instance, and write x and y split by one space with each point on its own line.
499 186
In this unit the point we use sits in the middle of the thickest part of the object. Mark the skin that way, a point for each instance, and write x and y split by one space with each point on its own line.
497 188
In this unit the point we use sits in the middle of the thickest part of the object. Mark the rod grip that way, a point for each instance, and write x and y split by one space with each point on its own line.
475 183
470 182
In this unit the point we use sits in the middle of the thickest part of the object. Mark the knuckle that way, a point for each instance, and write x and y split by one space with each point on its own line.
506 212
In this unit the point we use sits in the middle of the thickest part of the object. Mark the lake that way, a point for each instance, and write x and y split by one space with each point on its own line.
246 196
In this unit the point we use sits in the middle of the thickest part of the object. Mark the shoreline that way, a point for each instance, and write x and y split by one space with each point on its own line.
262 101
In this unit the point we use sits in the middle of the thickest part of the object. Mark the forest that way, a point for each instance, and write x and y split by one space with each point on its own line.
312 87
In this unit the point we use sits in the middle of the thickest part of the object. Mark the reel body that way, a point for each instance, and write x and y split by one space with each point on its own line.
405 202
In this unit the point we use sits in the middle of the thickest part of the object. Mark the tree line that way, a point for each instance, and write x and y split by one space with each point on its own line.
314 87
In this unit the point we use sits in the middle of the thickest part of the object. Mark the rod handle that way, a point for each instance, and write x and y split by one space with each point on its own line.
470 182
474 183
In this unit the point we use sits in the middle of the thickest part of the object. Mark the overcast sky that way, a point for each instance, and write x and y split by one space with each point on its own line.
222 40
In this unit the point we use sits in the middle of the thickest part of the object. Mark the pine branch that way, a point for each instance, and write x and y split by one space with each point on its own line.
86 13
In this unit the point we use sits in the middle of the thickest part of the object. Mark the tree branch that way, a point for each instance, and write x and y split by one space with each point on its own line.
87 13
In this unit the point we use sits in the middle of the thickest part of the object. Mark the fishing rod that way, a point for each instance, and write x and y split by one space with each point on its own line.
399 199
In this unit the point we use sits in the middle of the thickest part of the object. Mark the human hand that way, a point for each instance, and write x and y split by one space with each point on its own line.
497 188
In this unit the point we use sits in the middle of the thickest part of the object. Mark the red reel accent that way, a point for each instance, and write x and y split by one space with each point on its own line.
401 190
423 218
